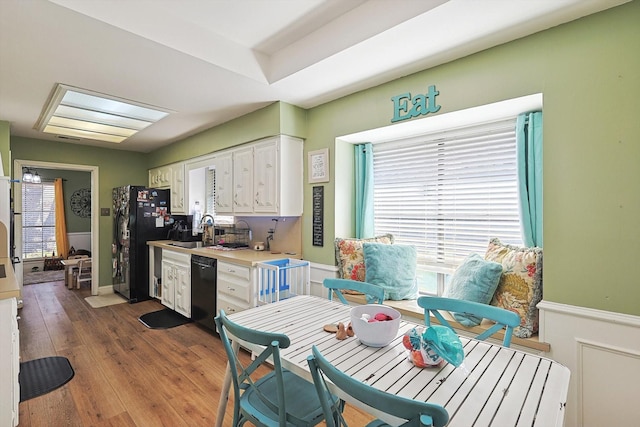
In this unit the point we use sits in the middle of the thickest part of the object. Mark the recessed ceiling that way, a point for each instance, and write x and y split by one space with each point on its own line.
212 61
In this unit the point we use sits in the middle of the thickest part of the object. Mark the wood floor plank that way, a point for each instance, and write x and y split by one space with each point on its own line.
94 397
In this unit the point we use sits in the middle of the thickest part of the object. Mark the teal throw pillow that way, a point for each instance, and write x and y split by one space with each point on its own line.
393 267
476 279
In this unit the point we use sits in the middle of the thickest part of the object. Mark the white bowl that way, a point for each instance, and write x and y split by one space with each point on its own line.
375 334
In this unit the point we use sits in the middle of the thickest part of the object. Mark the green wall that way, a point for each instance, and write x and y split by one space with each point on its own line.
588 73
274 119
115 168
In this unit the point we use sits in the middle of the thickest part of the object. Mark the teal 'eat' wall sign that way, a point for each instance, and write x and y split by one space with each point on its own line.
420 105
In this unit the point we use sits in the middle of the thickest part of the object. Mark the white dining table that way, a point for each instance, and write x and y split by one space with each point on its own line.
495 385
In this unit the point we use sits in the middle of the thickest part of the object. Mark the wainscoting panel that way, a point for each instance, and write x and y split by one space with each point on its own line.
602 350
80 240
318 273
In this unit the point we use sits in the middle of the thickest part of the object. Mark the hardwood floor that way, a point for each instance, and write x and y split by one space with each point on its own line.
125 373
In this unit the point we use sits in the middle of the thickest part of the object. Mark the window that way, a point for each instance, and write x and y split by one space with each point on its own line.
447 194
38 220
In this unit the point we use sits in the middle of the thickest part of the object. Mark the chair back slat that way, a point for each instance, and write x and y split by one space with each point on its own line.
504 319
416 413
335 286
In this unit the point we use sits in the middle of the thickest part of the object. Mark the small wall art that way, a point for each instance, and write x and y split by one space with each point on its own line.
318 166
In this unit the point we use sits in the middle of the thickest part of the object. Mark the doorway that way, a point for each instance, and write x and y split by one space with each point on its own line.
17 198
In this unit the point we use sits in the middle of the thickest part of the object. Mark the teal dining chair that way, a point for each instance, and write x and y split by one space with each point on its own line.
337 285
414 412
504 319
279 398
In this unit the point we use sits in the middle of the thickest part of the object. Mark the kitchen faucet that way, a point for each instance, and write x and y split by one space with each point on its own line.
269 238
271 232
205 225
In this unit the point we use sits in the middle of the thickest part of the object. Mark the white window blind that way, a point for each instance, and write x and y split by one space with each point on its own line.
448 193
38 220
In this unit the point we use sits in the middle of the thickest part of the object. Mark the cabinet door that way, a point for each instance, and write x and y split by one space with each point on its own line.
223 165
183 290
168 284
160 177
177 189
10 362
243 180
265 179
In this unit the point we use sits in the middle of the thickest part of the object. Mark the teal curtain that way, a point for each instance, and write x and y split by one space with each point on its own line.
529 155
364 190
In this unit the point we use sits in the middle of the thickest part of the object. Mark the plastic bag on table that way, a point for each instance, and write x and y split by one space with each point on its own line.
429 347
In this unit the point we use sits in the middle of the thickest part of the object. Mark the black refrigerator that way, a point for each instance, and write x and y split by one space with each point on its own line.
140 214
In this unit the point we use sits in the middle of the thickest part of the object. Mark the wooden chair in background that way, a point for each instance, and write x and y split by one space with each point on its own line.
83 273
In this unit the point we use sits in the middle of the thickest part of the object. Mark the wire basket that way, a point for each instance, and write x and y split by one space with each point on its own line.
282 278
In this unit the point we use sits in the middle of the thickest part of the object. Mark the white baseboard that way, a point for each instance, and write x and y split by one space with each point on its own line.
602 350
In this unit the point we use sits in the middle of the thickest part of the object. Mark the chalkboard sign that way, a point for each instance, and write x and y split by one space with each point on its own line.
318 216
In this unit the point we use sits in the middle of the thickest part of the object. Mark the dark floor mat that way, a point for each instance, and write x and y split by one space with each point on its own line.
40 376
163 319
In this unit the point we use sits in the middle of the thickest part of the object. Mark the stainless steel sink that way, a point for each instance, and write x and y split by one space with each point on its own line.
188 245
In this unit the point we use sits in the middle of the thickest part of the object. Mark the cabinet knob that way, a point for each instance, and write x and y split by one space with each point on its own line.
231 289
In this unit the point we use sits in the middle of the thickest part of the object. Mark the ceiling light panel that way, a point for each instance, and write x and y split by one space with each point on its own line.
83 114
97 117
83 134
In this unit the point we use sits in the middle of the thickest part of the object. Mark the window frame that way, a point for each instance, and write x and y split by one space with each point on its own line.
27 210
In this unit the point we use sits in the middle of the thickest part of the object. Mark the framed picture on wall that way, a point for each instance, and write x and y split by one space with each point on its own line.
318 166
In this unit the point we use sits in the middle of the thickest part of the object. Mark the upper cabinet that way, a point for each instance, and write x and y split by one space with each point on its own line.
160 177
260 178
171 177
223 165
266 178
243 180
278 176
178 205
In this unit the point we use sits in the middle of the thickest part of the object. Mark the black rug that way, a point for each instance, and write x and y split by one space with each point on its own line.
40 376
163 319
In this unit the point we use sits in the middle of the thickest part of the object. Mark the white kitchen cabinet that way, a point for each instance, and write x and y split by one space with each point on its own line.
171 177
236 287
243 180
10 361
160 177
178 205
278 176
261 178
223 164
176 281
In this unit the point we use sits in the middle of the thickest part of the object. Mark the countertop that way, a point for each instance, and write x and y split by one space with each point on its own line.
246 257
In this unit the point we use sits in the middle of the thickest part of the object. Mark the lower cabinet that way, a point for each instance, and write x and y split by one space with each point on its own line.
176 281
236 290
10 362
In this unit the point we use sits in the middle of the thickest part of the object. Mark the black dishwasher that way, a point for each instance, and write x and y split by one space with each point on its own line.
203 291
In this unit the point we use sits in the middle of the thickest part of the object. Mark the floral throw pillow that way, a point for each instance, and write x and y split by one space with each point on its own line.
350 256
520 286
